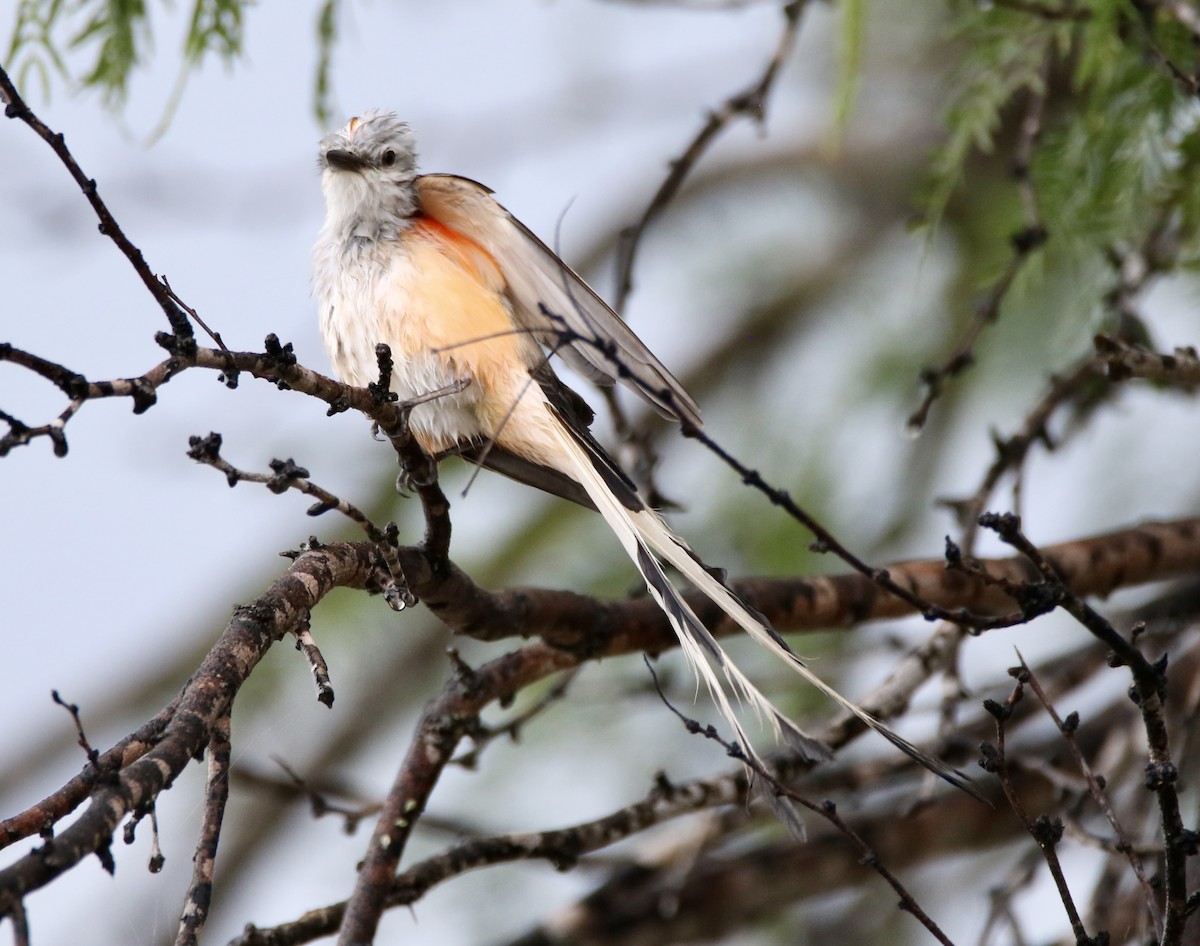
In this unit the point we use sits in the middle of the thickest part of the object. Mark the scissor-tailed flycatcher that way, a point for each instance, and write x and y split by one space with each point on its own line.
460 290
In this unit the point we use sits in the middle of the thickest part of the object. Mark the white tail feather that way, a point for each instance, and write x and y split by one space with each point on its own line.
698 645
643 533
675 550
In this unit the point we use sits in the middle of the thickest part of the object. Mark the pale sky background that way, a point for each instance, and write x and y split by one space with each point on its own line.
569 110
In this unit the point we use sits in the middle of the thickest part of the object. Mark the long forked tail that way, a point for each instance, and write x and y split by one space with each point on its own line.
644 534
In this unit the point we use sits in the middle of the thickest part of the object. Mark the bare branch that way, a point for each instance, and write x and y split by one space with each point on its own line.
199 897
780 798
1123 845
750 102
444 722
17 108
1045 831
182 730
1150 684
482 735
1125 360
285 475
1012 451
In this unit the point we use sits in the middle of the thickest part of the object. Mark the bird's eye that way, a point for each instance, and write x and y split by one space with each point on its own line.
389 158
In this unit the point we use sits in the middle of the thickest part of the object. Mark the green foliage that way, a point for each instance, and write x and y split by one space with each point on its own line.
216 26
1115 165
32 36
118 34
326 40
1186 202
117 26
1109 168
1003 55
851 39
117 29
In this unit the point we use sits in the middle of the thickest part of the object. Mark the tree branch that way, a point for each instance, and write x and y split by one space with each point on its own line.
15 107
183 730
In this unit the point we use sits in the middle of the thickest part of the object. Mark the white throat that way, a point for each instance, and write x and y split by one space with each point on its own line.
366 205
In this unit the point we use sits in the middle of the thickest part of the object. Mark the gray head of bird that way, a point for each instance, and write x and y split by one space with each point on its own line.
367 172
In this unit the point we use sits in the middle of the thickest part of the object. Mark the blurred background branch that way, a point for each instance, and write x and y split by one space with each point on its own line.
989 212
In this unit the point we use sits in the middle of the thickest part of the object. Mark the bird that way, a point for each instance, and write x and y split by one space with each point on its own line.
473 304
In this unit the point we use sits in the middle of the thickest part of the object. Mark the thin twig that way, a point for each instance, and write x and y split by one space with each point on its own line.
307 645
285 475
93 756
1046 832
16 107
826 809
321 806
199 897
483 735
142 770
826 542
1125 360
1150 693
1012 451
751 102
1068 727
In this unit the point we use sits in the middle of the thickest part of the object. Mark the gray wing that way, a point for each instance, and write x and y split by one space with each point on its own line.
498 460
550 300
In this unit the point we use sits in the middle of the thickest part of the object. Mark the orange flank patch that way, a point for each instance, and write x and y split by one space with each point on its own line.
457 294
450 305
465 251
